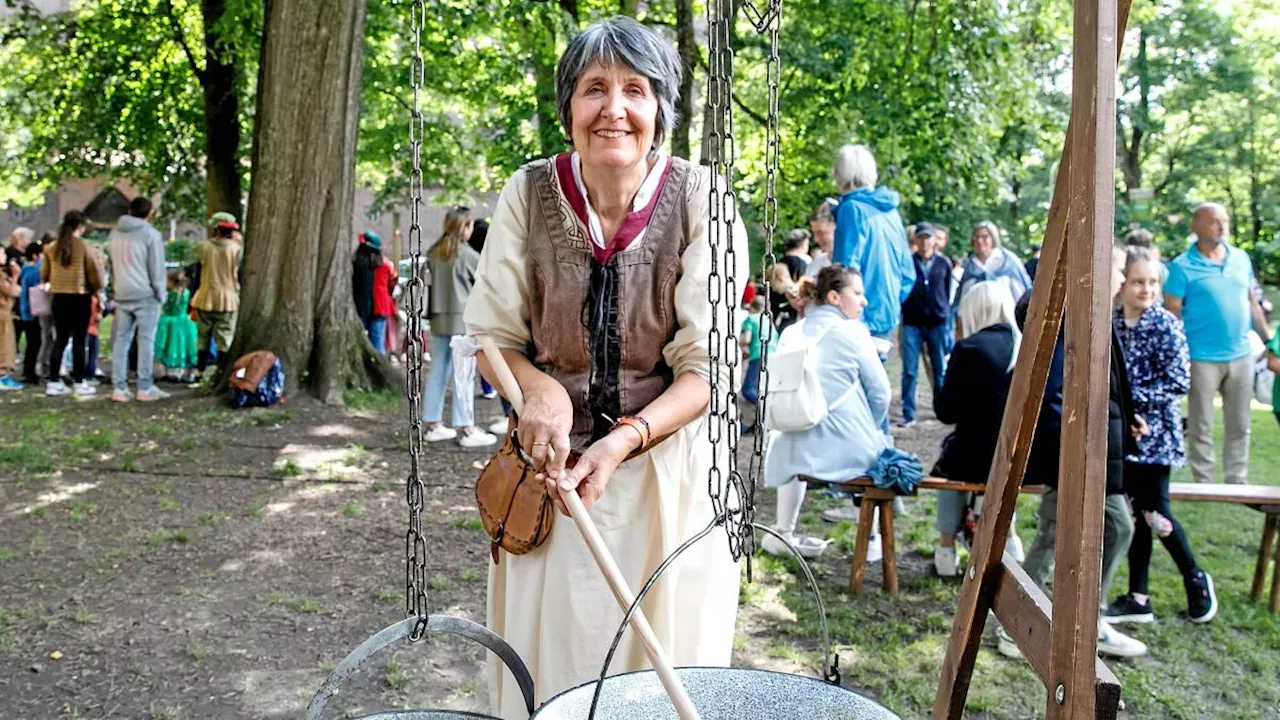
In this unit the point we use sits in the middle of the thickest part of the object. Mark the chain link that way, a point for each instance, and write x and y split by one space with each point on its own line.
732 495
415 546
772 22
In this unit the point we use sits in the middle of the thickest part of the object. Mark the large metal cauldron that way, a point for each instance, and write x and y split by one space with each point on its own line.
717 693
400 633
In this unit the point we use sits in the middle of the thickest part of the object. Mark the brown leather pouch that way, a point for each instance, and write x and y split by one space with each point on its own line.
516 509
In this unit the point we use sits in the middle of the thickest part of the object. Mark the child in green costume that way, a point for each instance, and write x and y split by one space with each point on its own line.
176 333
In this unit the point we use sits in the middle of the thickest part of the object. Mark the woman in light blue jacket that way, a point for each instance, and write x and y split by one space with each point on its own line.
847 442
990 262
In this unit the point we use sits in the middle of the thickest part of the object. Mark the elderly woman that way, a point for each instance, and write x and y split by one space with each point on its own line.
972 398
857 390
870 236
991 262
594 282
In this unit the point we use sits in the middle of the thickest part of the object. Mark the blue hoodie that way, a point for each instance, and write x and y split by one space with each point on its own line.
870 237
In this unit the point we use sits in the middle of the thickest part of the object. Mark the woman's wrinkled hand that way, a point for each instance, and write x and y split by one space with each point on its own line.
544 427
594 469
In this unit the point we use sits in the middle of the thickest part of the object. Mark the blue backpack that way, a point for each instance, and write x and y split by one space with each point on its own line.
257 380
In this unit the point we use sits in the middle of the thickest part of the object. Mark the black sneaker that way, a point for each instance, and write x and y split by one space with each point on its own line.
1126 609
1202 601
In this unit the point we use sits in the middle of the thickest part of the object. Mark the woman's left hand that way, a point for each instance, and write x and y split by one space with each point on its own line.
595 468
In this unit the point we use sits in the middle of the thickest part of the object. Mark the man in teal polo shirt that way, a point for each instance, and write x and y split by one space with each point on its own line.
1209 288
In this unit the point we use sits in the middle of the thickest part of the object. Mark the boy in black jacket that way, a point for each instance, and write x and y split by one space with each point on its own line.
1042 469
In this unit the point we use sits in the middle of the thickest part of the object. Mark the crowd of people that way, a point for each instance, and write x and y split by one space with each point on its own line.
55 292
1180 328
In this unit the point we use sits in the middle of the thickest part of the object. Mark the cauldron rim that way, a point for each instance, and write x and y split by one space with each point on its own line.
413 712
681 669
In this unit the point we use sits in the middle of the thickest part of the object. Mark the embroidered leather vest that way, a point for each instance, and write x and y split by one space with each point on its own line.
598 328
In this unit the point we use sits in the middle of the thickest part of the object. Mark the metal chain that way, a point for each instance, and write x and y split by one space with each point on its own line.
415 546
719 15
732 495
772 22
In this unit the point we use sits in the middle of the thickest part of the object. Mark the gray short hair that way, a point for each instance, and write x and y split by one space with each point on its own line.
855 168
991 229
21 234
621 40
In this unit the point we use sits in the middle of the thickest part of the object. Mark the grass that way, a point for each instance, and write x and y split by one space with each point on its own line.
373 399
351 509
390 595
469 575
196 652
439 582
892 647
270 418
288 468
395 675
296 603
160 537
468 523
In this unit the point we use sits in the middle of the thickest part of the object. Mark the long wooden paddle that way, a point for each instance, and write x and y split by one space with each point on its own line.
604 559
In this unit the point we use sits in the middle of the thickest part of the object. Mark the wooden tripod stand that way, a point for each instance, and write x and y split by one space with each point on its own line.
1059 639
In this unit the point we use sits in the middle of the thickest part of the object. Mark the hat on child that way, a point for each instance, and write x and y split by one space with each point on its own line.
218 218
371 239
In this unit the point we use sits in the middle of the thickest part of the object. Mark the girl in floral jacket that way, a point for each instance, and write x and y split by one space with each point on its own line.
1159 369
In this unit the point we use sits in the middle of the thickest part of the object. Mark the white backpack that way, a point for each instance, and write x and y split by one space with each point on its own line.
794 399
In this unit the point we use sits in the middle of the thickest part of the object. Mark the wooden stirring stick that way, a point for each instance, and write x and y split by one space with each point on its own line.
604 559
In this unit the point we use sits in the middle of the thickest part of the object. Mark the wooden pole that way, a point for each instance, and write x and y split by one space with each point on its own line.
604 559
1013 450
1073 645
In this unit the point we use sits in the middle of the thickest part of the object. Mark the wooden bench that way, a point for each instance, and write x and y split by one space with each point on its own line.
1263 498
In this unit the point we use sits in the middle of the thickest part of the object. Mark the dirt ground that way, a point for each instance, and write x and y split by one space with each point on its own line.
183 560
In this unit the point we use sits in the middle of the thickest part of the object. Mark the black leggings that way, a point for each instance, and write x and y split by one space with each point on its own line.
1148 488
70 325
31 356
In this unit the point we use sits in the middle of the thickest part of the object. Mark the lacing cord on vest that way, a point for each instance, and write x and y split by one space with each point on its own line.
599 318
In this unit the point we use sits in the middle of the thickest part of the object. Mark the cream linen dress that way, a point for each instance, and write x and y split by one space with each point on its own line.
552 605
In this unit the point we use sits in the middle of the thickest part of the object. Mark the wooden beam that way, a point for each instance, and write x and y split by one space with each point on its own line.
1073 646
1025 613
1009 464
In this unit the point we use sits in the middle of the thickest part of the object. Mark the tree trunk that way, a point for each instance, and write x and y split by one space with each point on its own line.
221 82
1131 151
687 46
296 298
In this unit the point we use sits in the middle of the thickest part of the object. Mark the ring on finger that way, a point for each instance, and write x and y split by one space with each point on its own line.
539 443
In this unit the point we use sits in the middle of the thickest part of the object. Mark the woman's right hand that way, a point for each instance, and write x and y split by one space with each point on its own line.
544 426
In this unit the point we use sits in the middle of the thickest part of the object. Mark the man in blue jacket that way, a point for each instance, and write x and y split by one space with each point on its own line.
870 237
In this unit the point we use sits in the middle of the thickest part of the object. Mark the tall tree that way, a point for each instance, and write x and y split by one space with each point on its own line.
296 298
147 90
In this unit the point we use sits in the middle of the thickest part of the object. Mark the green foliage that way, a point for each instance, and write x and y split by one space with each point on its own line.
109 89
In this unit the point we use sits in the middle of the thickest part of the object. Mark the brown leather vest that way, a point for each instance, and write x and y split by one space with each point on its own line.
560 274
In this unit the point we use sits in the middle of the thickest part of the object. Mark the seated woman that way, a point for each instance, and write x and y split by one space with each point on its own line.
594 283
972 398
848 361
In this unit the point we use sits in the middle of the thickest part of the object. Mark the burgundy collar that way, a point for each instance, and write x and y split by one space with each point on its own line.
632 224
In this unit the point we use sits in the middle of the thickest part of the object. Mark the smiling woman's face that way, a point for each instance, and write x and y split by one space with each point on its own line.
614 114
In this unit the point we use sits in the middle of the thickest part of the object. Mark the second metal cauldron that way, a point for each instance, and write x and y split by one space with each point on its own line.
719 694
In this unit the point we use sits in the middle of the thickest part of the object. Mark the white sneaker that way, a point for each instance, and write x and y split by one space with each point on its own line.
498 427
1116 644
83 389
945 562
875 553
843 513
152 394
56 388
441 433
1006 646
810 548
120 396
491 395
1013 546
477 438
